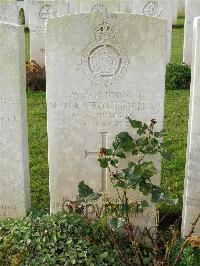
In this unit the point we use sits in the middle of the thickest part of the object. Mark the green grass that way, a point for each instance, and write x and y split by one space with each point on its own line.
177 41
27 45
37 124
176 116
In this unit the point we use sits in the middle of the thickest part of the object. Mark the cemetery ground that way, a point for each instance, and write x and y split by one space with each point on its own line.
42 239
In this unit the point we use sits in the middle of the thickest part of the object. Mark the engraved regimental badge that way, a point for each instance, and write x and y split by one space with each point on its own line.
152 9
47 12
104 60
99 7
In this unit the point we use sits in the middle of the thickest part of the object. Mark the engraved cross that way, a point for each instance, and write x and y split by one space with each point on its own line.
96 154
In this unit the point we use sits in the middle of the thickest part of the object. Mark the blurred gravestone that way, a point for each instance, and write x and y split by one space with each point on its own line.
192 10
14 171
191 201
159 8
9 11
39 13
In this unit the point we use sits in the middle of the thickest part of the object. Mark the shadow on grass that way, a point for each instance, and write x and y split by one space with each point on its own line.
178 26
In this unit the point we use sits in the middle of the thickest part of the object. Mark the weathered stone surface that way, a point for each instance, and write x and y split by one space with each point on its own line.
39 13
192 10
174 11
110 66
14 173
191 201
9 12
161 9
99 6
181 8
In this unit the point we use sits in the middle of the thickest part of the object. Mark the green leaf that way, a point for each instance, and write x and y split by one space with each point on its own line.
149 166
109 152
114 163
160 134
120 184
116 223
167 155
84 190
103 162
133 177
156 193
95 196
144 204
124 141
120 154
134 123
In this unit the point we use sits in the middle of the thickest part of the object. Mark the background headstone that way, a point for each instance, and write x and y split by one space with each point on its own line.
174 10
192 10
110 66
126 6
39 13
14 171
9 11
181 8
26 12
99 6
161 9
191 201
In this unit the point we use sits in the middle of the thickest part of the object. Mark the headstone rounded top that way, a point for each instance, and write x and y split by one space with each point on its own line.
47 12
99 7
153 9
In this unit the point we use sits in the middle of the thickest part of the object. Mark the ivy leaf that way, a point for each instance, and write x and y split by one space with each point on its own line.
114 163
160 134
108 152
95 196
167 155
120 154
149 166
134 123
133 177
120 184
116 223
124 141
144 204
103 162
156 193
84 190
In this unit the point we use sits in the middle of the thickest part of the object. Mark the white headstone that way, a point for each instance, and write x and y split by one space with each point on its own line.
39 13
73 6
157 8
181 8
174 11
9 11
191 201
26 12
99 6
126 6
192 10
110 66
14 172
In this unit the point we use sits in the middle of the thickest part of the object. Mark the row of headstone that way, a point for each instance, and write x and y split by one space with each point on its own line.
41 11
109 53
